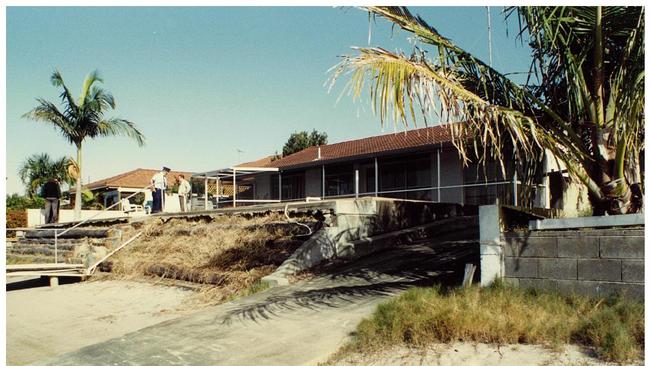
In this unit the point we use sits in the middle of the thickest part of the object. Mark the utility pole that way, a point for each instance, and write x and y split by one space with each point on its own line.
489 29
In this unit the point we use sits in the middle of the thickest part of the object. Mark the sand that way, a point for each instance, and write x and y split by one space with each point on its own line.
468 354
44 322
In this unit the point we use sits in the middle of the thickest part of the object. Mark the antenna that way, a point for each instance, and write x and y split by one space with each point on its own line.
489 29
239 155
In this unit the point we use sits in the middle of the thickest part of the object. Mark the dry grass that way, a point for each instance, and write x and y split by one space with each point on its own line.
504 315
227 254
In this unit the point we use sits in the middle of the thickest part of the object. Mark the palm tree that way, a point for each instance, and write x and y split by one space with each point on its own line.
583 101
39 168
83 119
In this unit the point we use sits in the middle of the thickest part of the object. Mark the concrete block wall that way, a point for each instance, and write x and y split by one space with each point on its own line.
594 262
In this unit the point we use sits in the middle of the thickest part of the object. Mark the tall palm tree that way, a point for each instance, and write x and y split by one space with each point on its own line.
583 103
40 168
83 118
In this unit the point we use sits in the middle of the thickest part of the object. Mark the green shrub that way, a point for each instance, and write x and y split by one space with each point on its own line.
504 315
23 202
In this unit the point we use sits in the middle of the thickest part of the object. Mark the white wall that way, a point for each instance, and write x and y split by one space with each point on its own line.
37 217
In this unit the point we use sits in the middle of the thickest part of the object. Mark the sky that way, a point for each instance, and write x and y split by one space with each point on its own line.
210 86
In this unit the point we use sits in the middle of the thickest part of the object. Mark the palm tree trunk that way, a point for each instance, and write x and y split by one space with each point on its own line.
77 198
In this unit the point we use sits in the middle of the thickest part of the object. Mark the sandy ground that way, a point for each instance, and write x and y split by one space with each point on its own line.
44 322
475 354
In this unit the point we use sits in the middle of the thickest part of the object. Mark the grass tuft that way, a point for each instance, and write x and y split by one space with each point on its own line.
503 314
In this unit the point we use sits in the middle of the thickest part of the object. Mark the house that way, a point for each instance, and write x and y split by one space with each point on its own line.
113 189
418 164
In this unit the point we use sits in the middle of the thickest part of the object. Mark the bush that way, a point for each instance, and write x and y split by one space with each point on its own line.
22 202
505 315
16 218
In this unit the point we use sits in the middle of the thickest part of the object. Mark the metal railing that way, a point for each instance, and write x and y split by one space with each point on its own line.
384 192
57 234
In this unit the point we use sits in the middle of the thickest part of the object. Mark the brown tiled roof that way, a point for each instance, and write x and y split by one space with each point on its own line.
410 139
138 178
261 163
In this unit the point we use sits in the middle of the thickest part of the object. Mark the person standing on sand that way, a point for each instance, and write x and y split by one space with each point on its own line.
158 186
52 193
184 189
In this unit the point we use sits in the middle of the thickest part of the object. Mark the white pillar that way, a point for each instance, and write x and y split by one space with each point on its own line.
323 182
514 182
205 192
356 183
376 178
218 192
492 256
438 169
234 187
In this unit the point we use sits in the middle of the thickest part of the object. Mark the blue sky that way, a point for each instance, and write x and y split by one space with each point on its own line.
203 82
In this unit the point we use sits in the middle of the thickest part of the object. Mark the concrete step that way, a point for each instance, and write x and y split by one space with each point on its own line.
72 234
39 241
26 258
60 245
40 250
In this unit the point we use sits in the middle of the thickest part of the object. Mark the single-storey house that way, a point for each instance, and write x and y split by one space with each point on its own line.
418 164
113 189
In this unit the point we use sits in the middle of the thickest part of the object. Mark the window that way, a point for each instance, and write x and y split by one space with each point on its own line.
293 186
406 172
476 173
339 180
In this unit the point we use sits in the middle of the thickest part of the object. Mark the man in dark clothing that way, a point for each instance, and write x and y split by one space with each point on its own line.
51 193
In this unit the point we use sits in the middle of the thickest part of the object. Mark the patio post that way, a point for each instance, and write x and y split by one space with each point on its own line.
322 188
234 187
438 171
218 191
279 186
356 183
514 182
376 178
205 192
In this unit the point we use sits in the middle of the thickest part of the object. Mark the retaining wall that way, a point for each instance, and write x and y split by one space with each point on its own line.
594 262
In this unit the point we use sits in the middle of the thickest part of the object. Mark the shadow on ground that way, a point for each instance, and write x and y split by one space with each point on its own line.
379 274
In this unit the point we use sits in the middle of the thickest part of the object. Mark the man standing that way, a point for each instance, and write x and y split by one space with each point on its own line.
158 186
184 189
52 193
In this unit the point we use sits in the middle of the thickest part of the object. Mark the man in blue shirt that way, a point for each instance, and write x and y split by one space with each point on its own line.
158 186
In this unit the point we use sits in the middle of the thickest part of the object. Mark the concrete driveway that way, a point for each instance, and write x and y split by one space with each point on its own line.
300 324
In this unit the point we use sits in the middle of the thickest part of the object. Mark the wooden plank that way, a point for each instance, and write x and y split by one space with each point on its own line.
46 274
42 266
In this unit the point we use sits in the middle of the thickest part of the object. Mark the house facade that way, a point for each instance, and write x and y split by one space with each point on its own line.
419 164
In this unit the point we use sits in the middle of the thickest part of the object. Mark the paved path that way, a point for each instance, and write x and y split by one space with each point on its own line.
301 324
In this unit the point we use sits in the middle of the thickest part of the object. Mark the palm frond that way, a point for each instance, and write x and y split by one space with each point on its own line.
47 112
90 79
402 84
66 96
120 127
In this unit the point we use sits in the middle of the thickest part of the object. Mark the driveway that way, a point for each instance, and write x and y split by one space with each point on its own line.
300 324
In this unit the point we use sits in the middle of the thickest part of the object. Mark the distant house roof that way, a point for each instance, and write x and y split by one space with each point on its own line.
138 178
260 163
369 146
